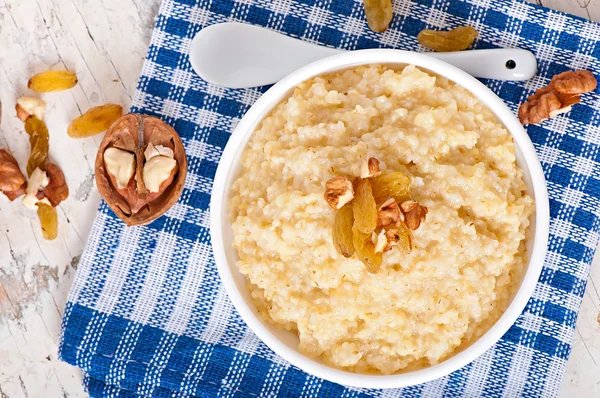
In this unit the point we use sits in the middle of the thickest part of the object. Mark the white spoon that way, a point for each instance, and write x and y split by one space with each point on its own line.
237 55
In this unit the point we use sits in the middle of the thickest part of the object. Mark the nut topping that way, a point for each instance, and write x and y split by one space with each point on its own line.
389 213
391 238
388 238
370 168
414 214
12 180
369 221
338 192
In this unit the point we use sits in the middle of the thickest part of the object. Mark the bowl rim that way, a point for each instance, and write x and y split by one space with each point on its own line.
345 61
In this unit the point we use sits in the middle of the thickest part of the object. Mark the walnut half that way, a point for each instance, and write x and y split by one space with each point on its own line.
557 97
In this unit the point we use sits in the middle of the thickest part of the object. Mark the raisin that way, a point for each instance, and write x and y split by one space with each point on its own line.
391 185
365 250
52 80
379 14
49 220
94 121
38 141
456 39
342 231
364 206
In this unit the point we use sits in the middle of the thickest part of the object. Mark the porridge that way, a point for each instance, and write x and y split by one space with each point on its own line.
467 255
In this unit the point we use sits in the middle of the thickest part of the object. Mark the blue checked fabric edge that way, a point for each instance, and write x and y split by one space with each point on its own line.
147 315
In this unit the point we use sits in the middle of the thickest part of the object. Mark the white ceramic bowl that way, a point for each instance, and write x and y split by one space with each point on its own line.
286 343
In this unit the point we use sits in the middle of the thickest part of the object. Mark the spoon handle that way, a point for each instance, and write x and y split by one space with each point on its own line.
497 63
237 55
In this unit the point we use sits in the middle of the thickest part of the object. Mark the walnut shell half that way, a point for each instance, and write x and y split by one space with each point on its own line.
134 204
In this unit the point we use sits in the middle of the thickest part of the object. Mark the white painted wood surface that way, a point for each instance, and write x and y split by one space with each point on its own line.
105 42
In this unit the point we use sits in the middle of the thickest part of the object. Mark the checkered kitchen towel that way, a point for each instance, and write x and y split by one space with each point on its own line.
147 315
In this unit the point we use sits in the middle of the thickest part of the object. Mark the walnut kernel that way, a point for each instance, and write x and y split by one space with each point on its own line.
30 106
369 168
338 192
389 213
414 214
12 180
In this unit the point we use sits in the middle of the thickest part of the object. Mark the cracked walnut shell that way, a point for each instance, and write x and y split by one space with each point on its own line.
127 140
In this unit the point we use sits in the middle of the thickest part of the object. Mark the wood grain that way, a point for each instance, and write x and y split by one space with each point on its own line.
105 43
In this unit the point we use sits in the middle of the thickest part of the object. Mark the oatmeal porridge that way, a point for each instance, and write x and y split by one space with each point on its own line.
467 256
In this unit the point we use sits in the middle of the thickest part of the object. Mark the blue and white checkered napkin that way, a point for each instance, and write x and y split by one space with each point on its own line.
147 315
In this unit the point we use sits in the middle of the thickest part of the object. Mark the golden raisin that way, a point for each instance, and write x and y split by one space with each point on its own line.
95 120
403 238
365 250
456 39
392 185
49 220
364 207
52 80
342 231
38 141
379 14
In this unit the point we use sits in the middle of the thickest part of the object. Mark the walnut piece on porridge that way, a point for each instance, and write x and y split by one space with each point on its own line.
389 213
557 97
338 192
414 213
369 168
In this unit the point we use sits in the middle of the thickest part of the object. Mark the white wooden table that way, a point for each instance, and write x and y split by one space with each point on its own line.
105 42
